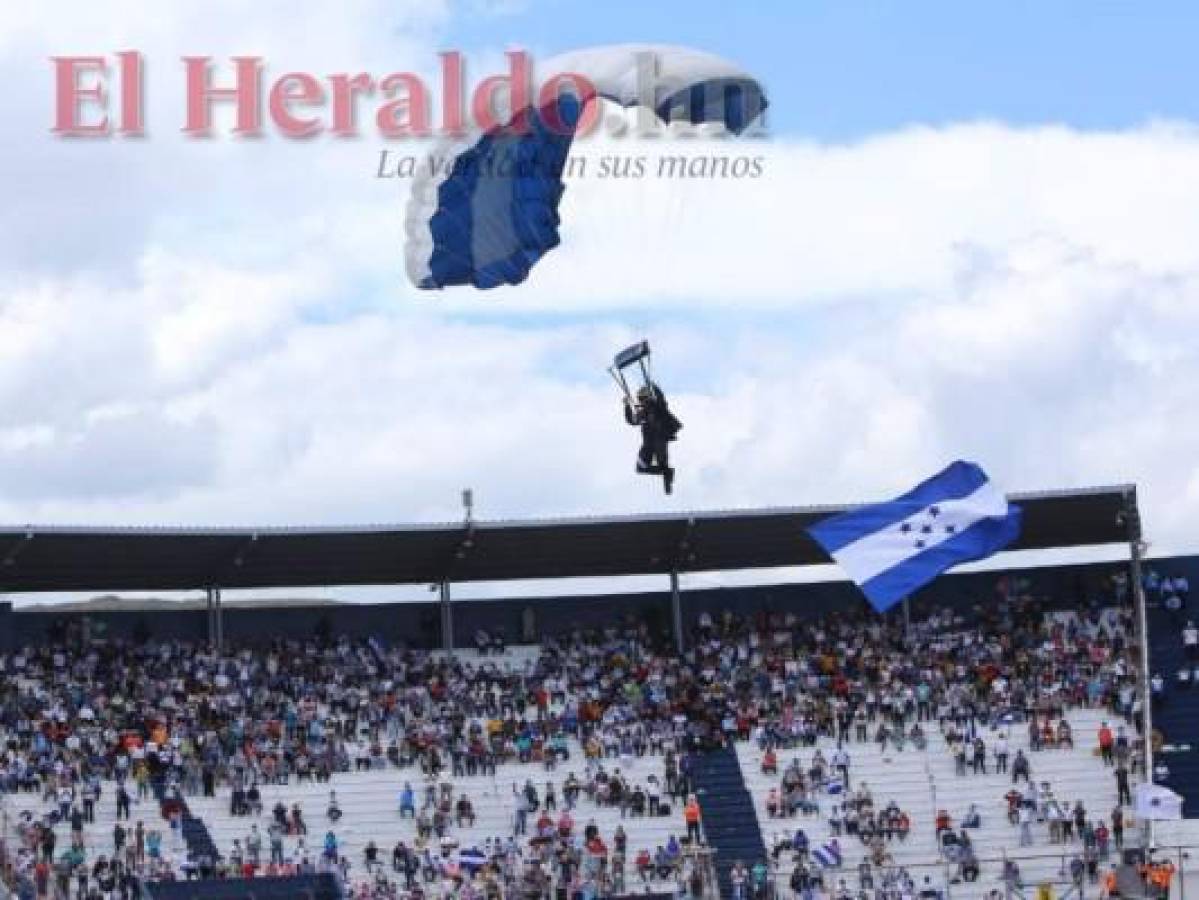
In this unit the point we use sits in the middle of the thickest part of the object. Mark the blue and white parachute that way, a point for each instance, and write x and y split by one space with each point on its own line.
488 210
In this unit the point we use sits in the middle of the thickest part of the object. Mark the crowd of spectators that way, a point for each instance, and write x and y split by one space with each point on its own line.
973 687
143 726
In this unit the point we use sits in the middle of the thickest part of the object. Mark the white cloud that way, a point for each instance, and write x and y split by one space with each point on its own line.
219 331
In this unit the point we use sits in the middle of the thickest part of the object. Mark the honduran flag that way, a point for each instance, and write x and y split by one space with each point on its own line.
891 549
828 855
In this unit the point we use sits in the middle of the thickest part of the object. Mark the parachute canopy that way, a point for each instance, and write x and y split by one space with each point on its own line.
488 211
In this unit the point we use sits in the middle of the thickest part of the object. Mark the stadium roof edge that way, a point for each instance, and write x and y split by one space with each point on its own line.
128 558
377 527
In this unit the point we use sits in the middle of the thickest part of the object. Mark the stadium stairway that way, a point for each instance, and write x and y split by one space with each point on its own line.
1175 715
302 887
729 821
195 833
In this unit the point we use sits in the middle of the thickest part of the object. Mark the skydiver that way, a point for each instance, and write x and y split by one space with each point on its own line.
658 428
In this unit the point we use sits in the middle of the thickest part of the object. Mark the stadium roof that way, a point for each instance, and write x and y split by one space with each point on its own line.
39 559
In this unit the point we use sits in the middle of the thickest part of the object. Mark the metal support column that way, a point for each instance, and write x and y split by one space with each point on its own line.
1136 546
210 611
217 634
676 609
447 621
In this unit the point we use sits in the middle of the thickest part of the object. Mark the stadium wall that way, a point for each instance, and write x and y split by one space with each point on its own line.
418 623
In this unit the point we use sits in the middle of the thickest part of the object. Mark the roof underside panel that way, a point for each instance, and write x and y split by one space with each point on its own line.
34 559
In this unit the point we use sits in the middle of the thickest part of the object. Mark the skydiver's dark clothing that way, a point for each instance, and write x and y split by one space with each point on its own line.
654 455
658 428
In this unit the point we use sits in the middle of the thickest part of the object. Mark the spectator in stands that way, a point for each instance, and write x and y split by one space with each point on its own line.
1000 749
968 868
1107 742
1021 768
692 817
973 818
333 810
407 802
1024 818
1123 792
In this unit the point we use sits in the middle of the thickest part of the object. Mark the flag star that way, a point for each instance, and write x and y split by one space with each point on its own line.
927 529
905 527
934 511
950 529
919 545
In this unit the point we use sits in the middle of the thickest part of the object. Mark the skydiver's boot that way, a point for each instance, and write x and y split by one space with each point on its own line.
668 479
646 464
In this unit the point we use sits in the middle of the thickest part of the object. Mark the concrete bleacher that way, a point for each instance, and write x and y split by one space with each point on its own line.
923 782
369 802
98 835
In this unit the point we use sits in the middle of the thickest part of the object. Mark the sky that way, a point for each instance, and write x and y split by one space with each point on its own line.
844 70
974 237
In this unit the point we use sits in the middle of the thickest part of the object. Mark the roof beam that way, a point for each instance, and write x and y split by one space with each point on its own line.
118 559
14 550
684 553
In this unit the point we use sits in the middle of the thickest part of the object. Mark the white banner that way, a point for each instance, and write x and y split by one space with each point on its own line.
1157 803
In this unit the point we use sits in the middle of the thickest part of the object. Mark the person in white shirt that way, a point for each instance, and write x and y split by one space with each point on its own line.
1001 753
1190 640
841 764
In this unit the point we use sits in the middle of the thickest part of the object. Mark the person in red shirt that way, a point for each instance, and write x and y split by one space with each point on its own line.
691 815
41 875
770 763
1106 743
942 822
643 863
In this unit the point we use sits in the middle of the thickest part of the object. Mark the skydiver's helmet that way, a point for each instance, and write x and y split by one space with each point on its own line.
645 394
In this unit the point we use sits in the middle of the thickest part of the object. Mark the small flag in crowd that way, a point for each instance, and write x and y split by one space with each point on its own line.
472 859
1157 803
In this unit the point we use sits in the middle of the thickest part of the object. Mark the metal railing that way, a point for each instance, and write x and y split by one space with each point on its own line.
1060 884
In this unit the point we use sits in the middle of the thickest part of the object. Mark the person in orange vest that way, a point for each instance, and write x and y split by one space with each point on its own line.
1108 888
692 816
1160 876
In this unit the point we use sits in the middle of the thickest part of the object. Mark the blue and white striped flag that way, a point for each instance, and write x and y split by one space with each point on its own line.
828 855
472 859
892 549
